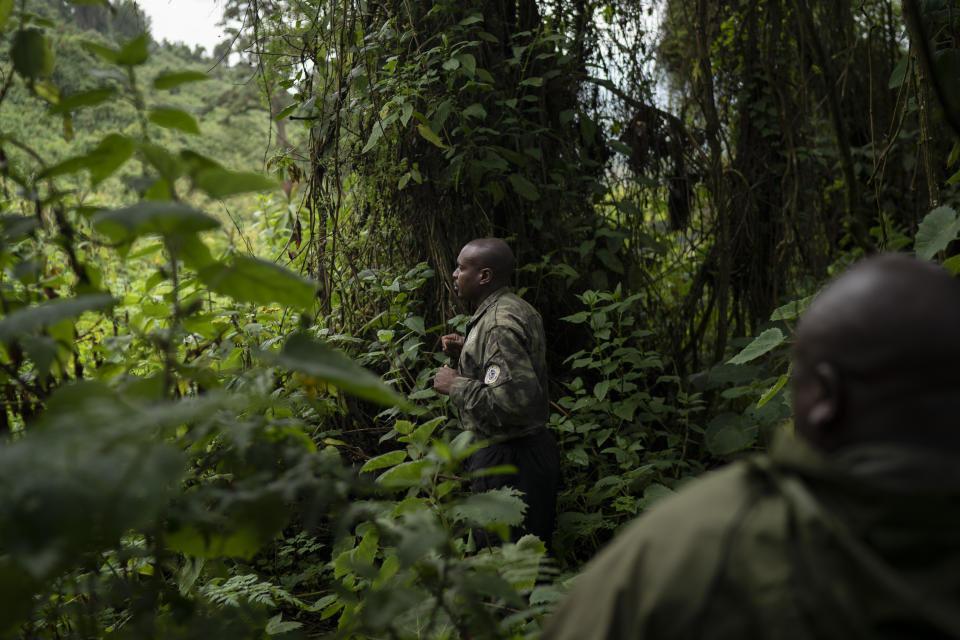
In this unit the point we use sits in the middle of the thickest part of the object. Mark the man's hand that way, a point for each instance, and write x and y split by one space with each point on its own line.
452 345
444 379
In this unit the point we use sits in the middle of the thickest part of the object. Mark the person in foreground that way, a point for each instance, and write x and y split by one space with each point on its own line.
851 528
500 384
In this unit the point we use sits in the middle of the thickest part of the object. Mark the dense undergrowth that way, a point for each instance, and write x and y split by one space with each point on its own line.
218 415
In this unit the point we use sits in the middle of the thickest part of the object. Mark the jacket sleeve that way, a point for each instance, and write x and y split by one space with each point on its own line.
510 394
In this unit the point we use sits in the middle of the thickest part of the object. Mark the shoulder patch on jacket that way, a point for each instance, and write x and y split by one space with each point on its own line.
492 375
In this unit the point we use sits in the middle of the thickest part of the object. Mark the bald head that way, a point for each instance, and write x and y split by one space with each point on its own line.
494 254
877 353
483 266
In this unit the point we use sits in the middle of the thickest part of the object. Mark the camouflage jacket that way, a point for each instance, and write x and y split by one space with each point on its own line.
502 391
795 545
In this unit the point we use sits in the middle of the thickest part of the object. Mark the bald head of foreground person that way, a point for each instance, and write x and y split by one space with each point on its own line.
877 357
850 528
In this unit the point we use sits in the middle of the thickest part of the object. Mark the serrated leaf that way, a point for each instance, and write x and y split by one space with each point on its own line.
134 52
83 99
430 136
405 475
220 183
248 279
31 54
30 319
376 132
318 360
770 393
276 625
499 506
763 343
383 461
937 229
473 18
146 217
101 162
524 187
174 119
790 310
177 78
475 110
469 62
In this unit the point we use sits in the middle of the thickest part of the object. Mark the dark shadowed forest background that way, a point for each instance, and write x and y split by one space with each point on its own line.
225 275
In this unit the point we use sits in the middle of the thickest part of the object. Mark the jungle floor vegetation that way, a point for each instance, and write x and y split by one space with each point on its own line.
224 279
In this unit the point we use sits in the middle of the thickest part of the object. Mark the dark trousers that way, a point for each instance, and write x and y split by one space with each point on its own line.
537 459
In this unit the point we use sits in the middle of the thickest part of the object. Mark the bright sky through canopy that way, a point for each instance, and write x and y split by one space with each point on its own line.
191 21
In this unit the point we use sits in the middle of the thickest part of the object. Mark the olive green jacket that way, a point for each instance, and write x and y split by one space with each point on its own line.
863 544
502 391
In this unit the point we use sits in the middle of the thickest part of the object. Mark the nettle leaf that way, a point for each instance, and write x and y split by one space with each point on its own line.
220 183
31 54
386 460
248 279
151 216
791 310
108 156
134 52
899 73
763 343
82 99
311 357
177 78
499 506
475 110
174 119
429 135
524 187
30 319
937 229
405 475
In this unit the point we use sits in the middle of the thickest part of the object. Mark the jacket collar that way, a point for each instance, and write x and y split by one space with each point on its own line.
489 300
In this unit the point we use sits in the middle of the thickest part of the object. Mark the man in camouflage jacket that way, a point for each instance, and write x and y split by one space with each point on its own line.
500 384
848 530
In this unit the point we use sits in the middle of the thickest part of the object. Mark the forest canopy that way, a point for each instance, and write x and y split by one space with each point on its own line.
225 276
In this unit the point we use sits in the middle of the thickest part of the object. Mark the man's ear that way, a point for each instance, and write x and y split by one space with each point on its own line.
826 407
486 275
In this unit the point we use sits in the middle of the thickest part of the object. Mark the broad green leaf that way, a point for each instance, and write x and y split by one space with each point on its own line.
503 506
221 183
429 135
475 110
471 19
769 394
177 78
167 165
937 229
728 433
174 119
532 82
241 542
524 187
469 62
790 310
146 217
405 475
600 389
383 461
101 162
30 319
763 343
308 356
106 53
899 73
376 132
134 52
31 54
83 99
276 625
253 280
6 6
